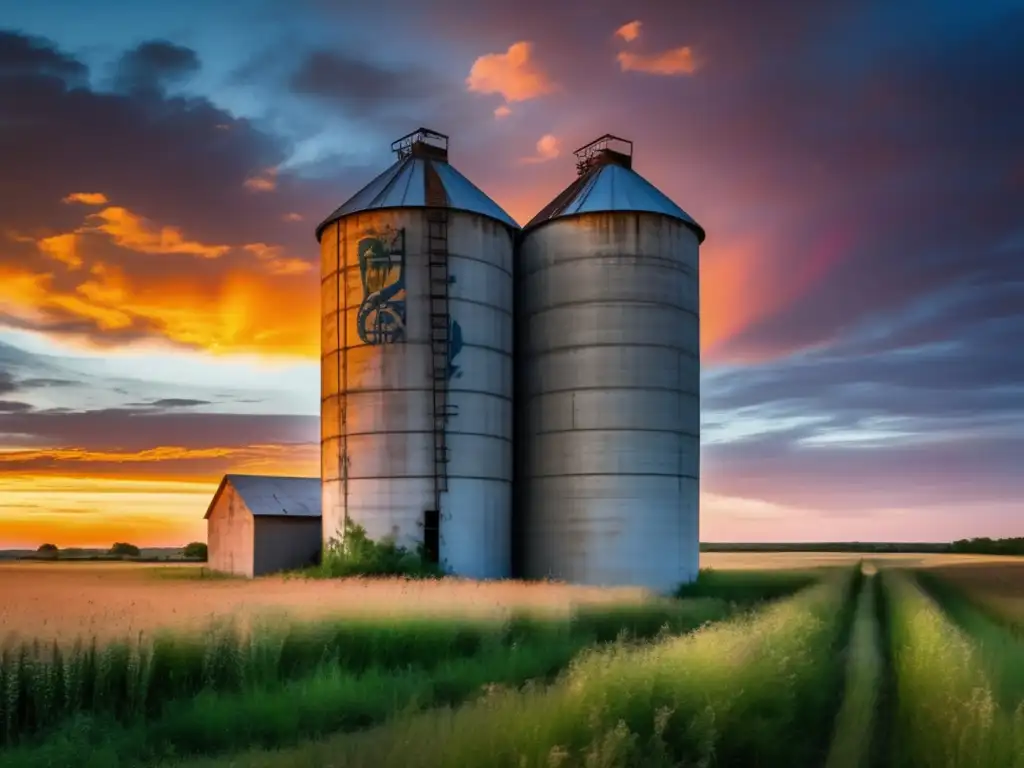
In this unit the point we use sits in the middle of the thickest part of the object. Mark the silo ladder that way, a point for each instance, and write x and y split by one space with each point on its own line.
437 261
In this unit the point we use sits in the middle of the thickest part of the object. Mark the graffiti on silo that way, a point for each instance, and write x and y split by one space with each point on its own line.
381 318
454 347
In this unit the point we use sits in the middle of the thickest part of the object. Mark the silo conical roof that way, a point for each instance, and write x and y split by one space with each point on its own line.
421 177
608 183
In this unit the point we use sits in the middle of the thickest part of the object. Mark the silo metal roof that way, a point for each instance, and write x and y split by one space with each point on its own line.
607 183
420 178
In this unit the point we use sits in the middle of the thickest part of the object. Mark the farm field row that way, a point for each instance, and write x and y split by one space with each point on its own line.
113 600
764 688
802 667
273 683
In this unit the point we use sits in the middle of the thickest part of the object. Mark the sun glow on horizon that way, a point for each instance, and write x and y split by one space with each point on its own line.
95 512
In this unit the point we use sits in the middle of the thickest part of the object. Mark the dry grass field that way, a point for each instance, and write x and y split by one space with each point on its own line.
62 601
822 652
760 561
997 586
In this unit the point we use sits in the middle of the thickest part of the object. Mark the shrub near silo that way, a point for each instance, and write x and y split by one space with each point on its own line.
353 553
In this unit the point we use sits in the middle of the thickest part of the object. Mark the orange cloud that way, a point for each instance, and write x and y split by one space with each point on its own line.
677 61
548 148
225 312
237 311
264 182
512 74
277 263
86 198
629 32
137 234
133 232
502 111
162 453
63 248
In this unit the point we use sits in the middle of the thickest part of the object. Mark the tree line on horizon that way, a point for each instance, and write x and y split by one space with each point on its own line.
120 550
984 545
976 546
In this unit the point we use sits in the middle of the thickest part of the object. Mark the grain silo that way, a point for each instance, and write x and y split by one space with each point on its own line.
416 390
608 379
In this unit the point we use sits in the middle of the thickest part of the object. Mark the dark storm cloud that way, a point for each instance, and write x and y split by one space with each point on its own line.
7 384
43 382
154 64
918 146
388 100
931 423
21 55
361 87
175 160
966 471
136 429
170 402
974 368
13 406
869 150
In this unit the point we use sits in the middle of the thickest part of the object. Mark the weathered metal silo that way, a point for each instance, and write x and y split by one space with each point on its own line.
608 380
416 389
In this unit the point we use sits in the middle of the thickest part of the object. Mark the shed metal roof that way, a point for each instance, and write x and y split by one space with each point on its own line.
269 496
420 178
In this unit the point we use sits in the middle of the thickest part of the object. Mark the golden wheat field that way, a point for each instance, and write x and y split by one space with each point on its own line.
999 588
67 600
729 561
64 601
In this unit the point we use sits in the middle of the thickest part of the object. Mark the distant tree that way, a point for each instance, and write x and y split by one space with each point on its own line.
48 551
197 550
122 549
987 546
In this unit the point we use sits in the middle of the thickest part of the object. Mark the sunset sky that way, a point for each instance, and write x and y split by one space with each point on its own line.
858 166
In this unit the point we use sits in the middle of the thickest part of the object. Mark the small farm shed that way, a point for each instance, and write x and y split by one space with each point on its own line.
257 524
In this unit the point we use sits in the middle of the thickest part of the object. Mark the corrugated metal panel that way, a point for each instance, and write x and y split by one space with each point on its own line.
464 195
608 399
378 425
278 496
404 185
609 188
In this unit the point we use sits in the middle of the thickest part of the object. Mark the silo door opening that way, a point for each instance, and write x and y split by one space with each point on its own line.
432 535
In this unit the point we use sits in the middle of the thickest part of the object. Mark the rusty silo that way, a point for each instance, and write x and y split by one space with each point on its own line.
416 389
608 379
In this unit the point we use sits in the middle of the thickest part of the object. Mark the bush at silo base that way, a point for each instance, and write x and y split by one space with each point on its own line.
353 553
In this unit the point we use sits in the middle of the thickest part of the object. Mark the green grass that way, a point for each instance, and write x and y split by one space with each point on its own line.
999 650
852 743
747 587
945 712
353 553
190 694
757 690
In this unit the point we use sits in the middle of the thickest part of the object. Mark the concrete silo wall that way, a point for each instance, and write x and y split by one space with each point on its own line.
609 356
377 426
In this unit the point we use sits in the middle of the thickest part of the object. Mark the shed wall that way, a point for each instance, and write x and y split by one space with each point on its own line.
229 531
285 543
